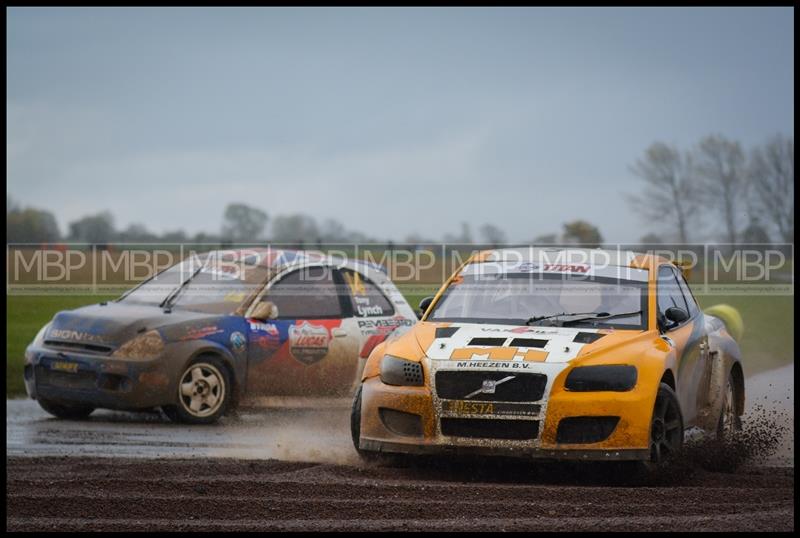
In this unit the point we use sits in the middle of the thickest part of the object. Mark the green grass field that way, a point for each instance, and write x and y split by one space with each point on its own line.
768 340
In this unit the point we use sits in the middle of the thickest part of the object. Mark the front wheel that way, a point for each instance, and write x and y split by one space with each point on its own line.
66 411
368 456
355 421
666 426
204 392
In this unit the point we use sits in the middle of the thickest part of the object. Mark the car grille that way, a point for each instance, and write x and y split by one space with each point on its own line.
456 385
92 348
490 429
67 380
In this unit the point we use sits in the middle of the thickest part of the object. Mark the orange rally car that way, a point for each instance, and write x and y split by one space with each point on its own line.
563 354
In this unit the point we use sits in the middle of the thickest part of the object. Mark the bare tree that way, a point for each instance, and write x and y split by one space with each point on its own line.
771 175
670 189
465 237
492 235
721 170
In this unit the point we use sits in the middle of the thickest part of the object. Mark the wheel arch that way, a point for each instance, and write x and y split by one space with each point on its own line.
668 377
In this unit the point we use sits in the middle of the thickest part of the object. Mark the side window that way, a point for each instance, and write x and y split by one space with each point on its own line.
308 293
687 295
669 292
367 298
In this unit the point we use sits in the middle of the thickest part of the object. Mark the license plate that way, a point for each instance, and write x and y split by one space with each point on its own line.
462 407
64 366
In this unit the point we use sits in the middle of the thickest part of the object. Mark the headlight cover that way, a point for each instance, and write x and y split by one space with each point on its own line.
614 378
40 335
397 371
145 346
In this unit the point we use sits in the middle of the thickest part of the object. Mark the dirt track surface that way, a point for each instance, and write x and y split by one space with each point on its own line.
69 493
295 470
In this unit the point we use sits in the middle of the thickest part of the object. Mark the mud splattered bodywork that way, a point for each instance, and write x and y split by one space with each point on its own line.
577 387
131 353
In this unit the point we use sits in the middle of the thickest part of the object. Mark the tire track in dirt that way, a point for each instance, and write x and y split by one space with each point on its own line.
74 493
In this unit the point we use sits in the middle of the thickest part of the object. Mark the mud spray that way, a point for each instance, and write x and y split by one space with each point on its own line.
322 435
304 432
766 438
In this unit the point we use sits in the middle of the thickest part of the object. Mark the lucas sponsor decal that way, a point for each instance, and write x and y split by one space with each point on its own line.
308 343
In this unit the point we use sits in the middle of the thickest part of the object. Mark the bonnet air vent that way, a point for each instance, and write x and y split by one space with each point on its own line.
445 332
528 342
487 341
587 338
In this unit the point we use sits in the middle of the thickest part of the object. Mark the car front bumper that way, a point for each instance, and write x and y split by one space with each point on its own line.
98 380
628 439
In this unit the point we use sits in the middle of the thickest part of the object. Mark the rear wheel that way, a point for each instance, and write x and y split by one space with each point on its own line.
67 411
729 421
666 426
204 392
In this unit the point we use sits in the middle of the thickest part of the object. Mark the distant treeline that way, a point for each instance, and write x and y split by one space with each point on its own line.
714 191
245 224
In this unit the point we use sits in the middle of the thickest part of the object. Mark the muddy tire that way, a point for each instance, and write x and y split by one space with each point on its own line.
729 421
204 392
666 426
355 421
369 456
66 411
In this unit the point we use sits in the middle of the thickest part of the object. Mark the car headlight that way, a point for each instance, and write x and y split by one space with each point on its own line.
145 346
616 378
40 335
397 371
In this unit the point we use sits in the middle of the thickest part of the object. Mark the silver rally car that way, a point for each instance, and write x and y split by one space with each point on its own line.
215 330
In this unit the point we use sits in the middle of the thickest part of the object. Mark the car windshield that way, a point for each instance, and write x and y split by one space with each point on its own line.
537 298
211 285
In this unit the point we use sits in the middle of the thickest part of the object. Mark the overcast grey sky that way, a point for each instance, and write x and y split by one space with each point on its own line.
390 120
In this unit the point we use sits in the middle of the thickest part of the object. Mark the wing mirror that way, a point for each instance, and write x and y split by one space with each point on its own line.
423 306
676 315
265 311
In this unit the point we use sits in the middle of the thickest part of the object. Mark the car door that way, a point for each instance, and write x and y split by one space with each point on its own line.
308 350
374 314
688 339
701 372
